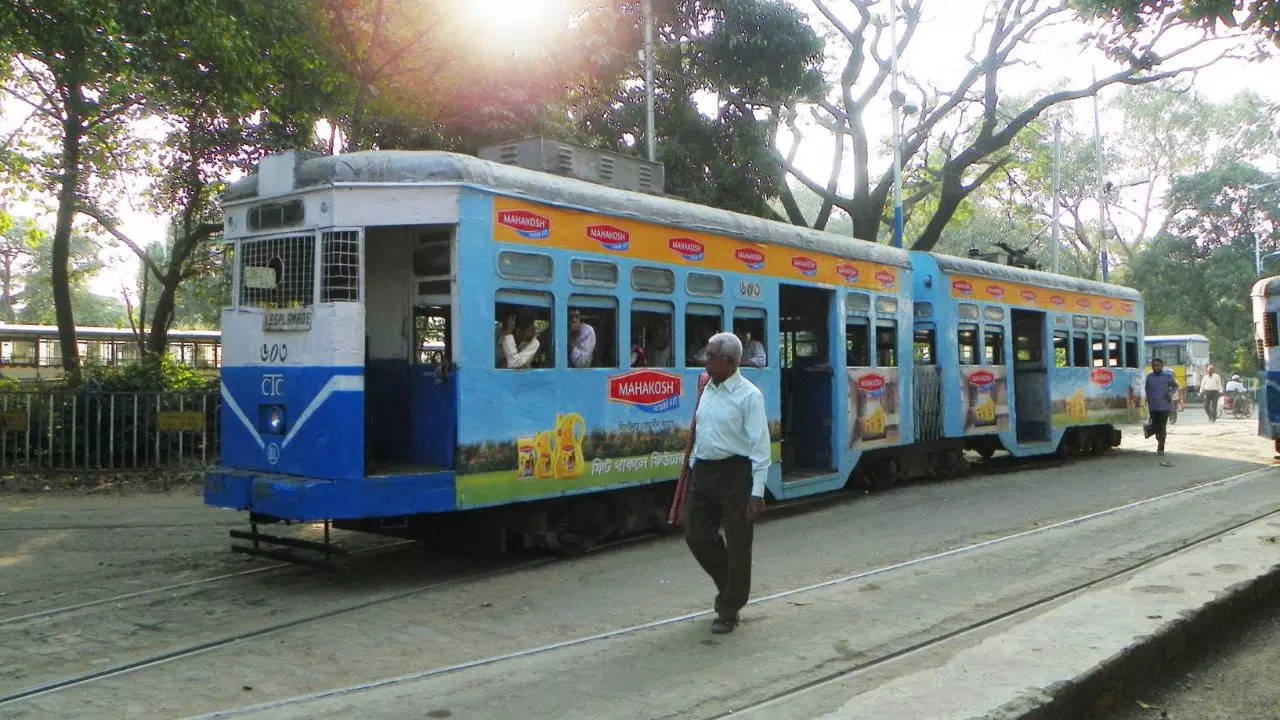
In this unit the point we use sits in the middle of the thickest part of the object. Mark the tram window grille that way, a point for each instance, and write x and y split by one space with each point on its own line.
1080 350
278 272
1061 350
276 215
1261 350
340 267
1131 352
1271 329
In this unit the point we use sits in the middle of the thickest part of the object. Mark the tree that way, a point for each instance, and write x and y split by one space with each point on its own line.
957 138
1260 16
728 73
27 285
1195 277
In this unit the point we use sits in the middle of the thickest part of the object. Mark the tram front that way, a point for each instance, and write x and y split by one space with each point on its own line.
1265 297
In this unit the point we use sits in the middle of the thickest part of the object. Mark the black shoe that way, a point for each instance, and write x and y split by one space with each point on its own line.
723 626
1147 432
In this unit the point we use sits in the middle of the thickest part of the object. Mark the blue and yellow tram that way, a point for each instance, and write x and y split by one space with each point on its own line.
1265 297
877 363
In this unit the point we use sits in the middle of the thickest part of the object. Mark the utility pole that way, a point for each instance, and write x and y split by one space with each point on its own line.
1057 189
896 100
1102 197
647 10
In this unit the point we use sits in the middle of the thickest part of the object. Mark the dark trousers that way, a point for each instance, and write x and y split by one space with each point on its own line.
718 494
1159 422
1211 403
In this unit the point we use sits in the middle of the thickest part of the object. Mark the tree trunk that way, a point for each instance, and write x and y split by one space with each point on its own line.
72 137
949 198
162 317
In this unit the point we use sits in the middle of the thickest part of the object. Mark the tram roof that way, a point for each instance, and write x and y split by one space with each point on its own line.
981 268
1174 338
85 332
1266 287
406 166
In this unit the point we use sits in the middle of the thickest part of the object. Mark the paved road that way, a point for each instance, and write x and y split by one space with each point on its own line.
672 669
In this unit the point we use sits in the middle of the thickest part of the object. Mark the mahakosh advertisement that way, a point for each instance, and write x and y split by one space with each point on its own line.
873 407
529 223
985 400
968 287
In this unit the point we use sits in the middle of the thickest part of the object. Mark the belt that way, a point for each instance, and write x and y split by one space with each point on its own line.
731 458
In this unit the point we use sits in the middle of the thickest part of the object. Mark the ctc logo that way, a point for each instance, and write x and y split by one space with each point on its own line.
273 384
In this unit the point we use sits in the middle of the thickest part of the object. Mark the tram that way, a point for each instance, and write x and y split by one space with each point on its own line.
31 352
1265 298
880 363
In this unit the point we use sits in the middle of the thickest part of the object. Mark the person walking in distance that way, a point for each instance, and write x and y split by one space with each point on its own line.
1160 390
729 463
1211 389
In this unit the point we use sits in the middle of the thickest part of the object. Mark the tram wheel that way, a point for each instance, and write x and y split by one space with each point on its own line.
986 451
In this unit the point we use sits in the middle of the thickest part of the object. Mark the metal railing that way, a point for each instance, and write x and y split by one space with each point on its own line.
78 430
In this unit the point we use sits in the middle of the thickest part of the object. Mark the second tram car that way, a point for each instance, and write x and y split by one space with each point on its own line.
1265 297
877 363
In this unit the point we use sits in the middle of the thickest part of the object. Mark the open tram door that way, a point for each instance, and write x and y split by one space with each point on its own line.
1030 376
807 381
411 399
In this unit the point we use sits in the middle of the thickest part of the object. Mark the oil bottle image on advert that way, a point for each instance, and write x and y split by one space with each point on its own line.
873 407
986 402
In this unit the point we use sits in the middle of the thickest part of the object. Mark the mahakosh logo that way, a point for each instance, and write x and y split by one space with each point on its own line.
525 223
806 266
1102 377
1126 307
1106 305
1028 295
871 383
982 378
962 286
610 237
995 291
1083 302
688 248
753 259
649 390
885 278
848 272
1058 300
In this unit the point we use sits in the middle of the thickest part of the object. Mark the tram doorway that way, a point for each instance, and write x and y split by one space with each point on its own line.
806 381
1030 376
410 392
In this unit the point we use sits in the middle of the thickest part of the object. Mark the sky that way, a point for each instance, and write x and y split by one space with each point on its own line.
937 53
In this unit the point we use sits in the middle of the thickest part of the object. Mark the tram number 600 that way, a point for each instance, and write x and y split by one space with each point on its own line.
275 352
749 289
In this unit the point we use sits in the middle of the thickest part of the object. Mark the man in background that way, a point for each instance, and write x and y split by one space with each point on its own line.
1211 390
1160 389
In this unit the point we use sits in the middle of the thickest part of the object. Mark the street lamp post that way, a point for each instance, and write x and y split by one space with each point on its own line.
647 9
1257 241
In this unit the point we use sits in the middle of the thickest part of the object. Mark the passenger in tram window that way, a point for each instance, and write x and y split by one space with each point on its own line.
520 342
582 341
700 332
753 354
657 348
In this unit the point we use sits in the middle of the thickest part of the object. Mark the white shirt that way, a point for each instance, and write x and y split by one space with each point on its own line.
731 421
753 354
1235 386
658 357
583 350
1211 382
518 358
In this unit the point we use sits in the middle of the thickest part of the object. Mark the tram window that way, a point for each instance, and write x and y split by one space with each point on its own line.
886 306
886 345
859 302
431 335
18 352
1131 352
704 285
50 353
590 272
1115 325
922 346
595 344
524 266
1099 351
993 346
278 272
700 323
748 325
1113 352
431 254
1131 326
657 280
967 311
340 266
1080 322
1270 329
1080 349
1098 323
856 342
1061 356
1026 347
523 316
967 340
923 310
206 355
994 314
651 334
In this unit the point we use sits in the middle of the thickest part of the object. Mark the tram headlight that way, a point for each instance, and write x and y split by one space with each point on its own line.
272 419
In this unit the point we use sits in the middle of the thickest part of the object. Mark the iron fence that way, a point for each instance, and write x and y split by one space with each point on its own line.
85 430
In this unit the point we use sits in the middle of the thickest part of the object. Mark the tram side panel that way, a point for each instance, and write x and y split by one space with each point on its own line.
1265 297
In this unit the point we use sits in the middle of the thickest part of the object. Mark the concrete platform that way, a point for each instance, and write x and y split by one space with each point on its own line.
1074 659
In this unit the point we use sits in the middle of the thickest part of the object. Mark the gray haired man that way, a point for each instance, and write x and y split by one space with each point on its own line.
730 462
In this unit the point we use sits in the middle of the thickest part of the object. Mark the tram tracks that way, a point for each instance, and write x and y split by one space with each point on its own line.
829 677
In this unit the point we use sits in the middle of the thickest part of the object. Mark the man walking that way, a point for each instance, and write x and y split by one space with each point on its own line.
1160 389
1211 389
729 463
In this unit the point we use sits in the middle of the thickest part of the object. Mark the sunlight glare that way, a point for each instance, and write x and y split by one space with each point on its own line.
514 25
